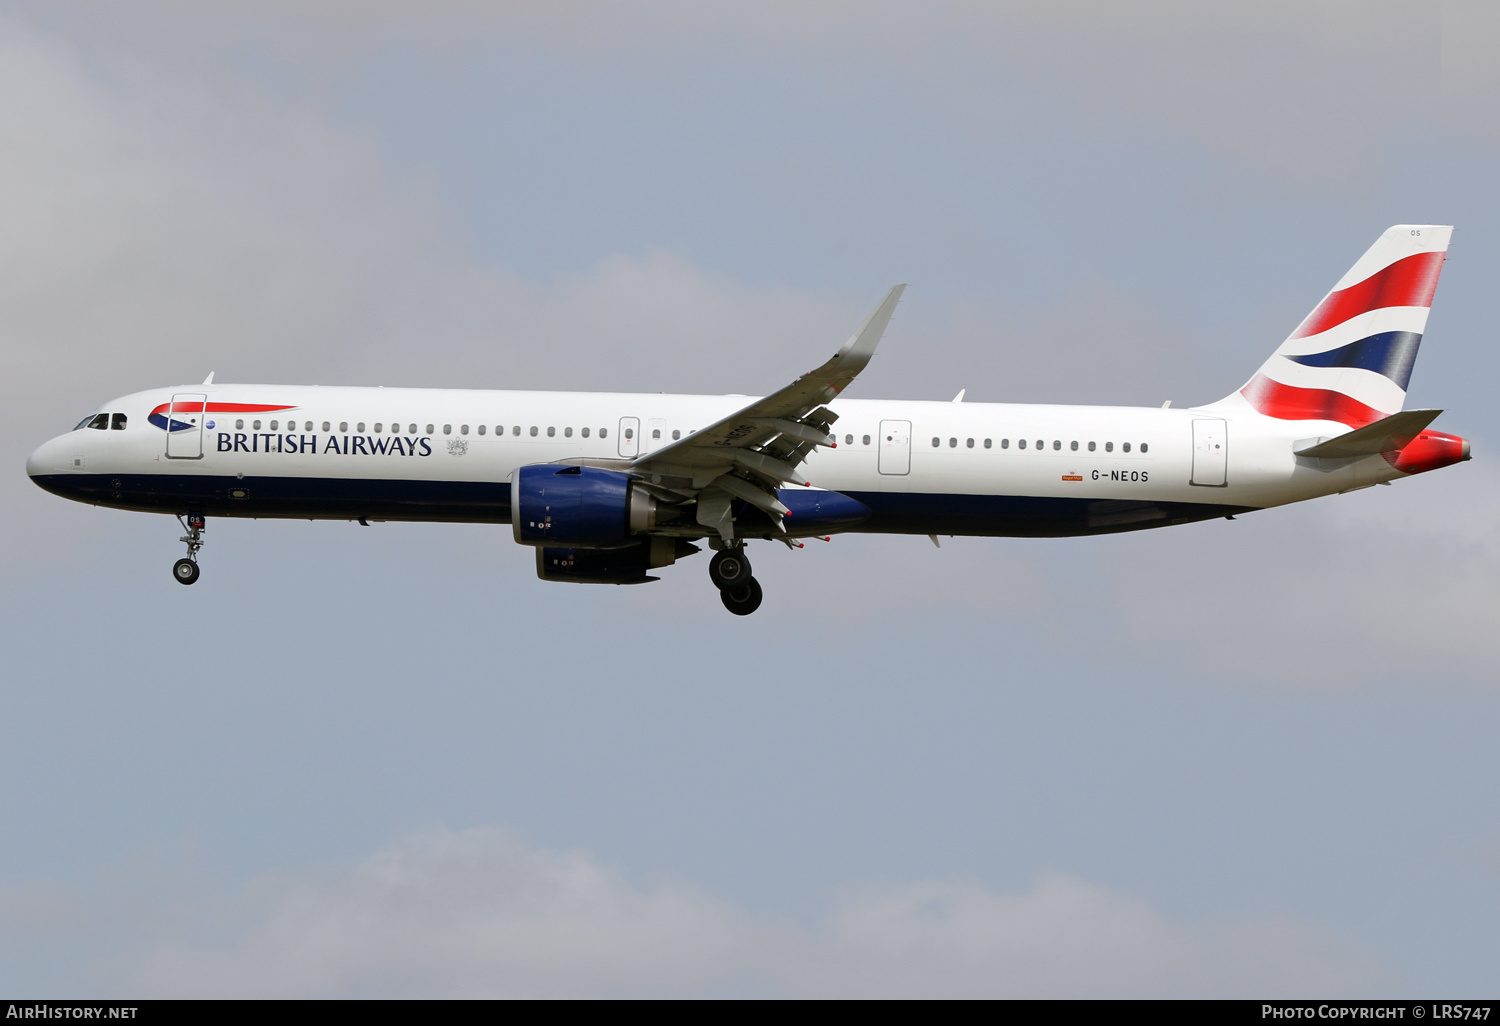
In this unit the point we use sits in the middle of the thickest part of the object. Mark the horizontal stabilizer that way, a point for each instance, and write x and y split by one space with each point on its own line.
1386 435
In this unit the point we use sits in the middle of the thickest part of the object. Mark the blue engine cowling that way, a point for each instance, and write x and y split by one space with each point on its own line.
578 507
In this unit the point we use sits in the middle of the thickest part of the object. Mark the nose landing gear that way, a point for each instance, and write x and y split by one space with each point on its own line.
730 572
185 571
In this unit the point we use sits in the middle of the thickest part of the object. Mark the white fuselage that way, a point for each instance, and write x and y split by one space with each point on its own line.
923 467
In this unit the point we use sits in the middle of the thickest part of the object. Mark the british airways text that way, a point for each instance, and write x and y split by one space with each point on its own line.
344 445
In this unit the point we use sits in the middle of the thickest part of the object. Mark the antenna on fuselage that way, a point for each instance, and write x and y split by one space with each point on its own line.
210 379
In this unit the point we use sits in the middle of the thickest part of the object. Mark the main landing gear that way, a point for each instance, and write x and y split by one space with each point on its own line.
185 571
730 572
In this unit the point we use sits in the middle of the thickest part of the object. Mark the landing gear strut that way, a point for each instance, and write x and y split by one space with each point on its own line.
730 572
185 571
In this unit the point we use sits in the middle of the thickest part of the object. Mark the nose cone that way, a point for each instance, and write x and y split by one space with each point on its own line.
48 467
40 462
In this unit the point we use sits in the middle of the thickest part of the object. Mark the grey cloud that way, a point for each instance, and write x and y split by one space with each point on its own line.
1303 92
479 913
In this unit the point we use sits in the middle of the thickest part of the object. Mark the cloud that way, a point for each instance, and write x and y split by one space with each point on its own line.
478 913
1301 91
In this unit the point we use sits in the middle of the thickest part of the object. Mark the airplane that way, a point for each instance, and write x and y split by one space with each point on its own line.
607 487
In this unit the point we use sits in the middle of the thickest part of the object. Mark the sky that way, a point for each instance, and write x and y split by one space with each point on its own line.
1231 759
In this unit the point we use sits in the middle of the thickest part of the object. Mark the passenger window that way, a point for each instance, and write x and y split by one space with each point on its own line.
936 442
464 429
1005 443
848 439
1109 446
953 443
359 428
970 443
343 425
1041 444
567 432
866 439
377 427
326 426
987 442
1091 447
481 429
1143 447
515 430
1073 446
656 432
118 424
1020 443
533 431
676 434
256 426
447 429
604 432
585 432
1125 447
552 432
429 429
630 433
1056 444
274 423
309 426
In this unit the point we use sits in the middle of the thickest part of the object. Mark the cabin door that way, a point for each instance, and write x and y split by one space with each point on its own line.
895 447
1210 453
185 426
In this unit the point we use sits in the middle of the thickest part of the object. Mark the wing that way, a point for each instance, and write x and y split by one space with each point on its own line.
751 453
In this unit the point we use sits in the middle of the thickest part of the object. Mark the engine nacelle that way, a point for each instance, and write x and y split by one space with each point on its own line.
610 566
578 507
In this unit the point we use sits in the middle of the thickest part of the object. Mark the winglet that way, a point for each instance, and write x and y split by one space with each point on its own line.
856 353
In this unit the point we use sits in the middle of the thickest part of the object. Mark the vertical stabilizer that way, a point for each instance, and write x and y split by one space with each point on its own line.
1349 360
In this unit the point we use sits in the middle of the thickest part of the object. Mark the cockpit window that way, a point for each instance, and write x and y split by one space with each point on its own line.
117 422
99 422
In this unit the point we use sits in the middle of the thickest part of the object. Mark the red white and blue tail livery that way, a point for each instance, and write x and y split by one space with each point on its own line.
606 487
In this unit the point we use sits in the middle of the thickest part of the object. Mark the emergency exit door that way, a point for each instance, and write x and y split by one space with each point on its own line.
895 446
629 440
1210 453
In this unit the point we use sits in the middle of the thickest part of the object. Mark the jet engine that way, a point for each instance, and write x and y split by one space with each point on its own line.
579 507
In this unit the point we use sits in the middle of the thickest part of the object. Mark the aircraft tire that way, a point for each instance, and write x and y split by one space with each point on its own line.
744 600
729 569
185 571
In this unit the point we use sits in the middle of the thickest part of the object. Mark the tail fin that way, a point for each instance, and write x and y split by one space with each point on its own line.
1349 360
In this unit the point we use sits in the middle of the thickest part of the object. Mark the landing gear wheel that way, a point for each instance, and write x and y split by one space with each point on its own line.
185 571
729 569
744 600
